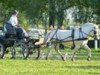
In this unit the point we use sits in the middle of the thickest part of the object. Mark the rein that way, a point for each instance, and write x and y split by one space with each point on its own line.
86 33
52 36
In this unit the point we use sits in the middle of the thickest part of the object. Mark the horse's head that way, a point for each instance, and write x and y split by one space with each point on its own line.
93 30
96 32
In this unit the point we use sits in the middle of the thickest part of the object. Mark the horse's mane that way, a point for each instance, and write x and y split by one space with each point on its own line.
88 24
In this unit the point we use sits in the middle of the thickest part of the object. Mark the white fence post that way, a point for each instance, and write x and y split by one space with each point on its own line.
96 44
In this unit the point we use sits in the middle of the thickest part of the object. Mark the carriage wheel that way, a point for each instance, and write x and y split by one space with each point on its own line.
2 50
25 51
36 52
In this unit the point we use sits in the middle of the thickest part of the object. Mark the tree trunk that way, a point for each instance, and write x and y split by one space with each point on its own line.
60 18
51 12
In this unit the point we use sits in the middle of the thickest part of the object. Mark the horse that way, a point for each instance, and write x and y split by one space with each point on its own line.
79 37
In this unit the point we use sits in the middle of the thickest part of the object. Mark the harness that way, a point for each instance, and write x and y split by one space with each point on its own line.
52 36
81 36
72 35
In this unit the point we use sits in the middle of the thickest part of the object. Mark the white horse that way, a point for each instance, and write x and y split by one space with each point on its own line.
77 36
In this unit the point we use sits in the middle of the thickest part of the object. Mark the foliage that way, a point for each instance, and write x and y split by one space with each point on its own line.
23 21
33 10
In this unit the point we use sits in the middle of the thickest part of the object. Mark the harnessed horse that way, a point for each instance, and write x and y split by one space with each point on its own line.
77 36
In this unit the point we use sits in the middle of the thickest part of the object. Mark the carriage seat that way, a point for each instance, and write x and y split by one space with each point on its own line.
12 36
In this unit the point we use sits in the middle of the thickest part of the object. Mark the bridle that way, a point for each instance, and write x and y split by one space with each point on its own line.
93 30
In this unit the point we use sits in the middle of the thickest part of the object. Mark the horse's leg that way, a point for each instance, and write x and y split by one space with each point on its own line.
57 50
13 52
38 49
88 52
74 52
49 49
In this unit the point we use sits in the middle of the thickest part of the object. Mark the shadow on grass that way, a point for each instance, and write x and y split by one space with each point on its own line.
93 73
84 67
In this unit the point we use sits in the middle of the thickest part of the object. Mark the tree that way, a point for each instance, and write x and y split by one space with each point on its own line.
33 10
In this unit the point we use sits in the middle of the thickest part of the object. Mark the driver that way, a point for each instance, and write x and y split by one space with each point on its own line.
12 27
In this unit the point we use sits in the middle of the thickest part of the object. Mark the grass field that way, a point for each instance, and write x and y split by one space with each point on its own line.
52 66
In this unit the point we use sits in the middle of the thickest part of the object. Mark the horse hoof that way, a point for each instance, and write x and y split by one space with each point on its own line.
37 58
1 57
72 59
12 58
46 58
24 58
88 59
64 59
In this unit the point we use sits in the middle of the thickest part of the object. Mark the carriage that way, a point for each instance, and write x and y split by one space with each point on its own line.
78 37
25 44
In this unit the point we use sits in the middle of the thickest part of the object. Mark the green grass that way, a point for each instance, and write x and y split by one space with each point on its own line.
49 67
52 67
